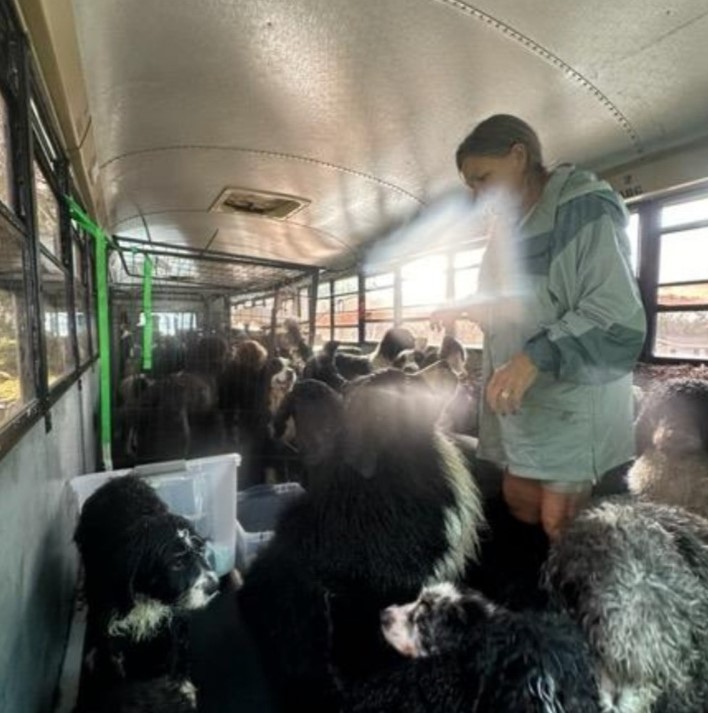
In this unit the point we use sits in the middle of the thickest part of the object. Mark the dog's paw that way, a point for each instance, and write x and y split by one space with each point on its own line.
189 691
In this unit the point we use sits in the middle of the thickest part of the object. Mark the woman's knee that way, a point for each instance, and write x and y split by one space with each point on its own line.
523 498
558 509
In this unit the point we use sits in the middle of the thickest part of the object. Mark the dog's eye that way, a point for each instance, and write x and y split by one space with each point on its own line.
423 609
177 564
420 610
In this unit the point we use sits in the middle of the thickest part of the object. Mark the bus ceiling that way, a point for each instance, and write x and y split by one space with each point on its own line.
299 131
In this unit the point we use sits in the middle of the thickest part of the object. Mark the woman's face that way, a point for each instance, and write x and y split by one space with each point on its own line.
497 177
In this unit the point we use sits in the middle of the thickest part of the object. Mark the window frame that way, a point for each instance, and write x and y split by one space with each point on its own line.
649 246
355 292
26 111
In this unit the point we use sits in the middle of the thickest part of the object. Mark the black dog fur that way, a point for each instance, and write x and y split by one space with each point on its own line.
144 570
374 527
474 656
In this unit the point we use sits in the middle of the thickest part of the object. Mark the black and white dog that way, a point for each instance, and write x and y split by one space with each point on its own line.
391 507
464 654
635 578
145 568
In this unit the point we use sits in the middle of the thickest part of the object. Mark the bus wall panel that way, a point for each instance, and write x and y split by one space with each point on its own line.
38 560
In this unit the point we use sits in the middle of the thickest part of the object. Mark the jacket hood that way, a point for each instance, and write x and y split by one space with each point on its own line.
568 183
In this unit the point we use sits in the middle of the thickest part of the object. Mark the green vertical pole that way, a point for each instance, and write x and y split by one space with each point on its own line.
104 346
147 312
104 339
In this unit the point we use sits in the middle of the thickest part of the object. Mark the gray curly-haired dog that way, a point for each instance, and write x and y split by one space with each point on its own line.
672 444
635 577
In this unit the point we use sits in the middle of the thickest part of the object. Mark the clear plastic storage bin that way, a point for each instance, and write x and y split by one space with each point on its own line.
258 511
202 490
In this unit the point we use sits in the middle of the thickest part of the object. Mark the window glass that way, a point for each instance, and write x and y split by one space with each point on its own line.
346 285
93 306
78 262
304 305
684 212
57 331
374 331
251 315
16 364
5 155
684 256
323 321
466 281
633 235
346 311
374 282
468 258
424 281
82 329
346 334
683 295
287 308
378 305
47 212
682 335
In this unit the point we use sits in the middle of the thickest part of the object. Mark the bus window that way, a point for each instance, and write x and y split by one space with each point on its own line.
682 295
5 154
16 379
379 305
57 331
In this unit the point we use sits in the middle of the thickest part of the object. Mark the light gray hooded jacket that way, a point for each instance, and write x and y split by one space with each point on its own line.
566 296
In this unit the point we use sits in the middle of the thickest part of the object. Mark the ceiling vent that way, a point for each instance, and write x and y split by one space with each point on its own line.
267 205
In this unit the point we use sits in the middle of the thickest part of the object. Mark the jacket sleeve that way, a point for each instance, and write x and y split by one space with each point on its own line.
600 337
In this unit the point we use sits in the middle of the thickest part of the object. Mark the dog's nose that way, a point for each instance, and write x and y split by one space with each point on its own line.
386 617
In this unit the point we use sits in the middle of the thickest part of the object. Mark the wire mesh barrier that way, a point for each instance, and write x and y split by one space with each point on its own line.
214 328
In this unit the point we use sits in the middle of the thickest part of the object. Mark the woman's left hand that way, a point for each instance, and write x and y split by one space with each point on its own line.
509 383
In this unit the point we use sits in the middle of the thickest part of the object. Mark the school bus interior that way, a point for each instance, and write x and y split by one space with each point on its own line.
295 159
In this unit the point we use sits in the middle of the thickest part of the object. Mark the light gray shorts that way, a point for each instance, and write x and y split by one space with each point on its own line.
581 487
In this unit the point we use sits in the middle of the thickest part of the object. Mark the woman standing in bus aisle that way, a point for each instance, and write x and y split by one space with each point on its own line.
562 319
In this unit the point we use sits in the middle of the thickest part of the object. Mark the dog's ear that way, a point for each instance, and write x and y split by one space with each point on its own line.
126 568
284 412
329 350
273 367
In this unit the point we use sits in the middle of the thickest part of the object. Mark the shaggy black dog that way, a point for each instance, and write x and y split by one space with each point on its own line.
335 369
672 443
316 412
451 350
249 389
512 553
144 569
168 418
466 654
393 342
393 507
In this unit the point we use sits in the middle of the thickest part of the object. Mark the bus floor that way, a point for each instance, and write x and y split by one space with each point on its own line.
225 662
